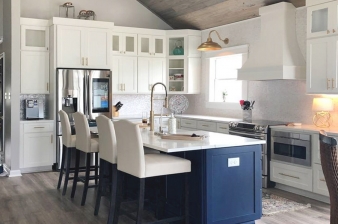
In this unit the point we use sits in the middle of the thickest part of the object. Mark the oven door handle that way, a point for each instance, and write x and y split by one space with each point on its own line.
244 134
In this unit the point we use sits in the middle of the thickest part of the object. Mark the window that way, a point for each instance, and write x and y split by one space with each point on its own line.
225 91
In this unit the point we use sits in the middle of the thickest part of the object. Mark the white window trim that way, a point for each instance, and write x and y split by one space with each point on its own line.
241 49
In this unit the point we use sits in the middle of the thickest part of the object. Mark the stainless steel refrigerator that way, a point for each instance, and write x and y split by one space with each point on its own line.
86 91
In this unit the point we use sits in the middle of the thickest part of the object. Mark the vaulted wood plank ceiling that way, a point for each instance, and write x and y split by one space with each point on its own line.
204 14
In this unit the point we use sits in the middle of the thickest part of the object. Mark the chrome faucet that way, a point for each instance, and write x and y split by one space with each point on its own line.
152 103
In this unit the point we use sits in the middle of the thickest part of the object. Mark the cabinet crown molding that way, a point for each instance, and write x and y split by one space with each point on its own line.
82 23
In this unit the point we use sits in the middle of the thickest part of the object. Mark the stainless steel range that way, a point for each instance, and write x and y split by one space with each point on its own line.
258 129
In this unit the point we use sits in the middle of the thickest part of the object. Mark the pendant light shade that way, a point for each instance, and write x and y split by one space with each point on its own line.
209 45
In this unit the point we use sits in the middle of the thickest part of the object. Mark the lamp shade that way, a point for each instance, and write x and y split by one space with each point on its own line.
322 104
209 46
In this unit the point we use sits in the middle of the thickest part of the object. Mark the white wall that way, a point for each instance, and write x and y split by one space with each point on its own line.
1 17
284 100
121 12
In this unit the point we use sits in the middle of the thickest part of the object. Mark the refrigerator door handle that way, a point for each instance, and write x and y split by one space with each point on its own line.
86 98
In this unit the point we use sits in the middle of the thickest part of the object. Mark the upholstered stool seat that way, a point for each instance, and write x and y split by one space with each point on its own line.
132 160
88 145
69 142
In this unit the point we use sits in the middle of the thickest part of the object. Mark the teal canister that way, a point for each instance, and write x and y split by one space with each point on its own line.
172 125
178 49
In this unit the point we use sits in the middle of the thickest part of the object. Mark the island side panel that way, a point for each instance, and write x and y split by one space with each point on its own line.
233 194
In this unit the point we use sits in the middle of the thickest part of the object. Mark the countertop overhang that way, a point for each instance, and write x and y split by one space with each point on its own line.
213 140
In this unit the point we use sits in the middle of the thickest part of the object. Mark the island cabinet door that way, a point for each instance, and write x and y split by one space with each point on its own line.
233 185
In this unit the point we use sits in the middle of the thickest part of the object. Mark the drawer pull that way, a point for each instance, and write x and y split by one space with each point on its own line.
223 128
204 125
187 123
289 176
39 127
322 180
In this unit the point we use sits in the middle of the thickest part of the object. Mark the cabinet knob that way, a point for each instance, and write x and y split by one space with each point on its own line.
328 31
333 31
328 84
332 83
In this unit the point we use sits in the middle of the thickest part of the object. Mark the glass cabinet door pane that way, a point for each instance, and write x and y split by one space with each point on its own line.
320 20
35 38
159 46
130 44
145 44
116 43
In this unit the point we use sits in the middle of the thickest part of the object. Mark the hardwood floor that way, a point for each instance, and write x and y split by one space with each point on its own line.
33 198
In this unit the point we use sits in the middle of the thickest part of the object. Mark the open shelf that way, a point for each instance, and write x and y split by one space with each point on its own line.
176 46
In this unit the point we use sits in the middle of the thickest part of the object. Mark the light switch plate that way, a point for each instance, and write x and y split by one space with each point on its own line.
232 162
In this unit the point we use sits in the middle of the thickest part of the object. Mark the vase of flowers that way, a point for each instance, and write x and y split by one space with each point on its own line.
224 95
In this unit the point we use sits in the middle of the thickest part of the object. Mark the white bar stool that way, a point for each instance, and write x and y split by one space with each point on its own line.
108 159
133 161
88 145
68 141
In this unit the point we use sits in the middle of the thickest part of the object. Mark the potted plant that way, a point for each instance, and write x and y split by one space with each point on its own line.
224 94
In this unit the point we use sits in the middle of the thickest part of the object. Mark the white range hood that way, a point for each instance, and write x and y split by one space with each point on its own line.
277 54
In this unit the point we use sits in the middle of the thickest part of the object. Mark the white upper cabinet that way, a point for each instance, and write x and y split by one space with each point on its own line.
322 20
322 65
34 72
151 71
124 44
80 47
124 72
151 46
34 38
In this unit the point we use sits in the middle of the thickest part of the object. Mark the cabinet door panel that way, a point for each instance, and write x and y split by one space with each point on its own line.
97 48
159 44
144 45
130 44
317 65
116 73
129 73
34 38
144 81
34 72
158 73
70 47
116 43
38 149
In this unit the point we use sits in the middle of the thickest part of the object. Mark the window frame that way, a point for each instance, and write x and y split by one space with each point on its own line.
242 49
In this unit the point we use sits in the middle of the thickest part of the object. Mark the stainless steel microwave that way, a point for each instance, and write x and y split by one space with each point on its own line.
292 148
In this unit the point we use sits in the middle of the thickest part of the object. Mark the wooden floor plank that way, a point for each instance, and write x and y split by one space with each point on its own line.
33 198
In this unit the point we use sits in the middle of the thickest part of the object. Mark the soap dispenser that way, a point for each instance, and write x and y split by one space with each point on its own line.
172 124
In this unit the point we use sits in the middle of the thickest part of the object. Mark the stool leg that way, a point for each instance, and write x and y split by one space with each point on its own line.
186 206
117 204
141 201
99 190
96 166
69 157
62 166
86 183
113 200
76 172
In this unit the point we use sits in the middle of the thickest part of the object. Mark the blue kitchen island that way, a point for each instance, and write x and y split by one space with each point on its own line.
225 182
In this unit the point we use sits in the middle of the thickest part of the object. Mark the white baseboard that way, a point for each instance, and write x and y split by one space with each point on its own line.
14 173
307 194
36 169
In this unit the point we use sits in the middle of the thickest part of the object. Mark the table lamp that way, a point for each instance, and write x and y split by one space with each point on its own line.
322 106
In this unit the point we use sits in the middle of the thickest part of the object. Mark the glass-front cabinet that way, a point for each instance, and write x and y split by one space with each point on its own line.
322 20
34 38
184 62
124 44
151 45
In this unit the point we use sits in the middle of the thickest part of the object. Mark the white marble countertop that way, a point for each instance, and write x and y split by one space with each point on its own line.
212 140
208 118
307 128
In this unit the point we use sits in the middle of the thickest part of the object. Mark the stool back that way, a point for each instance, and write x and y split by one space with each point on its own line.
83 137
329 160
107 139
66 131
130 153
